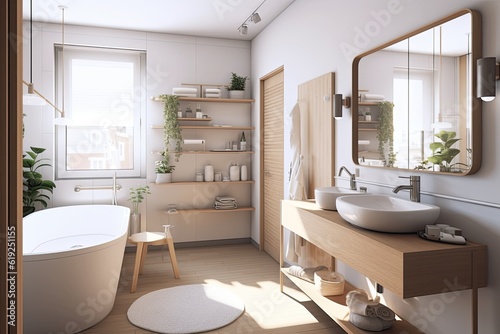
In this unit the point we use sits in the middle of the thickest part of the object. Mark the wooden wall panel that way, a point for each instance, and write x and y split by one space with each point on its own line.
318 131
315 99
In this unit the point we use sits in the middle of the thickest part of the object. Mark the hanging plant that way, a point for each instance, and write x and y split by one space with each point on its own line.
171 128
385 133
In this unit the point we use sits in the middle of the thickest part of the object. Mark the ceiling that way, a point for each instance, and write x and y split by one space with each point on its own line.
206 18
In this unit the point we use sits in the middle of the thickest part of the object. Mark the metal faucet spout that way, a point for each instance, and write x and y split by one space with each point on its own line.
352 177
414 187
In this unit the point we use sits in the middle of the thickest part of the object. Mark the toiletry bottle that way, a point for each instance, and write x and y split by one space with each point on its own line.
244 173
199 114
243 142
209 173
234 173
179 113
189 112
199 177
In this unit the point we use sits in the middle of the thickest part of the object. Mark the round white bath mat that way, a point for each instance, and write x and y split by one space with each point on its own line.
191 308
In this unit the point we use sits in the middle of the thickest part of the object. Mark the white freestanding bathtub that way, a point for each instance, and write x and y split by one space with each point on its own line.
72 258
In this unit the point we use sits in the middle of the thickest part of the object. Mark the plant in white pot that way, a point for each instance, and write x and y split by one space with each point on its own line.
137 195
236 87
163 169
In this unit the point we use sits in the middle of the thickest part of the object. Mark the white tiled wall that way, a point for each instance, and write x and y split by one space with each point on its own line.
171 60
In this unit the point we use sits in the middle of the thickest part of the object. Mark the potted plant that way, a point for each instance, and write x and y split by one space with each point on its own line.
171 128
35 188
368 116
137 195
443 153
163 169
385 133
236 87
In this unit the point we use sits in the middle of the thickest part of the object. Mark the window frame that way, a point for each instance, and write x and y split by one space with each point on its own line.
139 126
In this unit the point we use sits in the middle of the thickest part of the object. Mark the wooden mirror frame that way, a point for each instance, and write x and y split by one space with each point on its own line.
476 104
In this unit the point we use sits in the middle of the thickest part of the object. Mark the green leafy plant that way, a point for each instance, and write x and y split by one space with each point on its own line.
237 82
137 195
443 153
171 127
163 166
35 188
385 133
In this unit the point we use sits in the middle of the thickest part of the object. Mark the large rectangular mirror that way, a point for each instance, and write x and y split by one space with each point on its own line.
416 108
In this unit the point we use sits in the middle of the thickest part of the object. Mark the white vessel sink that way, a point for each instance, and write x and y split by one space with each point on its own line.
386 213
326 197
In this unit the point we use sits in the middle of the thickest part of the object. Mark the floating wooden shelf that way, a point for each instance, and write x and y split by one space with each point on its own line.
210 210
208 127
208 99
208 152
193 119
200 183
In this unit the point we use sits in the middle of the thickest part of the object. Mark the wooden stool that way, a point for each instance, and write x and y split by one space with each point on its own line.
143 240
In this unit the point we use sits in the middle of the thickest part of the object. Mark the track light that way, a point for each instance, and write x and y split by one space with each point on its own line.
255 18
243 29
487 75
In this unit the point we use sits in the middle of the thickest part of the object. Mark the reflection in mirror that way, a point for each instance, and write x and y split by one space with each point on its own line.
415 102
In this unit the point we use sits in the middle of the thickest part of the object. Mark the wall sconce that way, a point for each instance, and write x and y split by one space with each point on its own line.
487 75
339 103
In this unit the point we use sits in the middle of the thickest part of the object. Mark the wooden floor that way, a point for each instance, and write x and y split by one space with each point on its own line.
243 269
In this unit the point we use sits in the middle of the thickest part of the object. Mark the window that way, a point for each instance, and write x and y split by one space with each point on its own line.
104 97
410 116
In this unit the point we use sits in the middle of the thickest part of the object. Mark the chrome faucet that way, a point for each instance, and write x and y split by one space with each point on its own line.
352 177
414 187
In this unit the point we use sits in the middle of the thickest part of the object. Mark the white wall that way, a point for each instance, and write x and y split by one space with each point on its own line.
313 37
171 60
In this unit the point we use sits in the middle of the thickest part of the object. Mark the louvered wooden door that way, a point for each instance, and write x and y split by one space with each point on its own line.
272 160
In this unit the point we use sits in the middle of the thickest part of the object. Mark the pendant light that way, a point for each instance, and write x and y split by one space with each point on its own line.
32 98
62 120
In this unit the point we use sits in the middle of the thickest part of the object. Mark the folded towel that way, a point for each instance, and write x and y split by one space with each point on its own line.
212 90
359 303
184 90
186 95
224 199
224 206
305 273
372 97
383 312
212 95
368 323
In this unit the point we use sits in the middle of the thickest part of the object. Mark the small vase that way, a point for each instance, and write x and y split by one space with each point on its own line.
135 223
163 177
236 94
